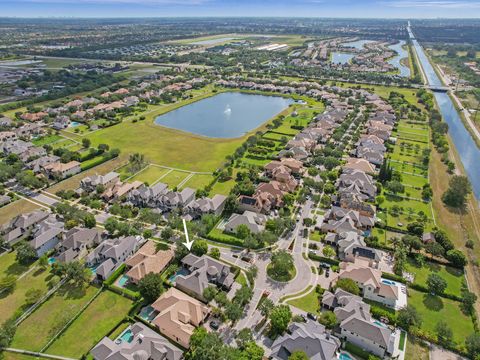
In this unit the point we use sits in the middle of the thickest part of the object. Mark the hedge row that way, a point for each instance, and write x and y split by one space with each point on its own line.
129 294
424 289
225 239
323 259
111 279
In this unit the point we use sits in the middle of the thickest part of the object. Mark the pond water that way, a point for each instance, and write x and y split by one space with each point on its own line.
464 143
212 41
395 61
341 58
225 115
359 44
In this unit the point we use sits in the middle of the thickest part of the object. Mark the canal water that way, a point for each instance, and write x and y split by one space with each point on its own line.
466 147
225 115
341 58
404 71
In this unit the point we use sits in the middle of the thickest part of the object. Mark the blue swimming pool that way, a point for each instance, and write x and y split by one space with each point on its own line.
75 124
345 356
388 282
123 281
379 323
182 271
147 313
51 260
93 269
127 336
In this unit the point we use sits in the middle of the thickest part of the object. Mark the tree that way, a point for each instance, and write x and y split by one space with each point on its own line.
243 295
215 253
329 319
457 258
233 311
280 317
7 332
253 351
209 293
242 231
409 317
348 285
86 143
266 306
458 190
8 283
444 333
204 345
43 261
328 251
25 253
298 355
472 343
468 301
76 273
436 284
412 242
89 221
221 298
281 264
434 249
151 287
32 296
395 187
416 228
200 247
166 233
111 225
243 337
147 234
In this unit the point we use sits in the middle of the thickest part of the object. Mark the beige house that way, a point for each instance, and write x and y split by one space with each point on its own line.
360 164
147 260
179 315
63 170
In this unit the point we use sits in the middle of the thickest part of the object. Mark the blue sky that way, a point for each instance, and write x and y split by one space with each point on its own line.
315 8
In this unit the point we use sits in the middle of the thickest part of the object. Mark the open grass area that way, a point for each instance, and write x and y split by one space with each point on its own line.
94 323
150 175
198 182
223 187
165 146
453 276
434 308
10 303
48 319
48 139
416 349
174 178
308 303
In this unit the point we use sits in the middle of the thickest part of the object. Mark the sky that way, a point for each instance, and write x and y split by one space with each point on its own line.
290 8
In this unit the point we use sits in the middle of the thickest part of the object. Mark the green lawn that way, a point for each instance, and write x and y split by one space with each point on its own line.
15 208
454 277
35 279
241 279
174 178
150 174
434 308
198 181
224 187
46 140
48 319
94 323
308 303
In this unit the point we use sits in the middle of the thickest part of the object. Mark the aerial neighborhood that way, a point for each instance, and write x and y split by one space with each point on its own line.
232 194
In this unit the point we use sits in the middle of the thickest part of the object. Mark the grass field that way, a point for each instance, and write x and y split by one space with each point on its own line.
174 178
15 208
48 319
150 175
308 303
198 181
434 308
37 279
99 318
416 350
454 277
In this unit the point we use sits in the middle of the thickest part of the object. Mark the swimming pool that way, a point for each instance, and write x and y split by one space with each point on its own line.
75 124
388 282
93 269
147 313
182 271
123 281
51 260
127 336
379 323
345 356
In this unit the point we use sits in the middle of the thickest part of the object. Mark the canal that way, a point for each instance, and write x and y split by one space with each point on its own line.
464 143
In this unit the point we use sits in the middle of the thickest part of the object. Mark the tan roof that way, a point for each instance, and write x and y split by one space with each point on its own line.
179 314
61 167
359 164
147 260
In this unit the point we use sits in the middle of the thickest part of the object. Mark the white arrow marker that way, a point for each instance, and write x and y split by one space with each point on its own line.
189 243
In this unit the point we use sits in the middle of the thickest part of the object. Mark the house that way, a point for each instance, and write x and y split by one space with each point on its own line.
336 213
46 235
353 201
428 238
205 205
259 203
360 164
357 326
371 284
177 199
111 253
147 260
147 196
38 165
4 200
255 222
310 337
144 344
76 244
357 181
61 170
34 116
20 225
203 272
120 189
7 135
61 122
32 152
178 315
5 121
90 183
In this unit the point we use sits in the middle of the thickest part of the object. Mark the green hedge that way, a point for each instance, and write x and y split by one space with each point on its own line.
394 277
225 239
111 279
424 289
357 351
323 259
129 294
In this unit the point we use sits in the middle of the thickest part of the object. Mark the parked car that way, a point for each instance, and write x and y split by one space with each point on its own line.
312 316
214 324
